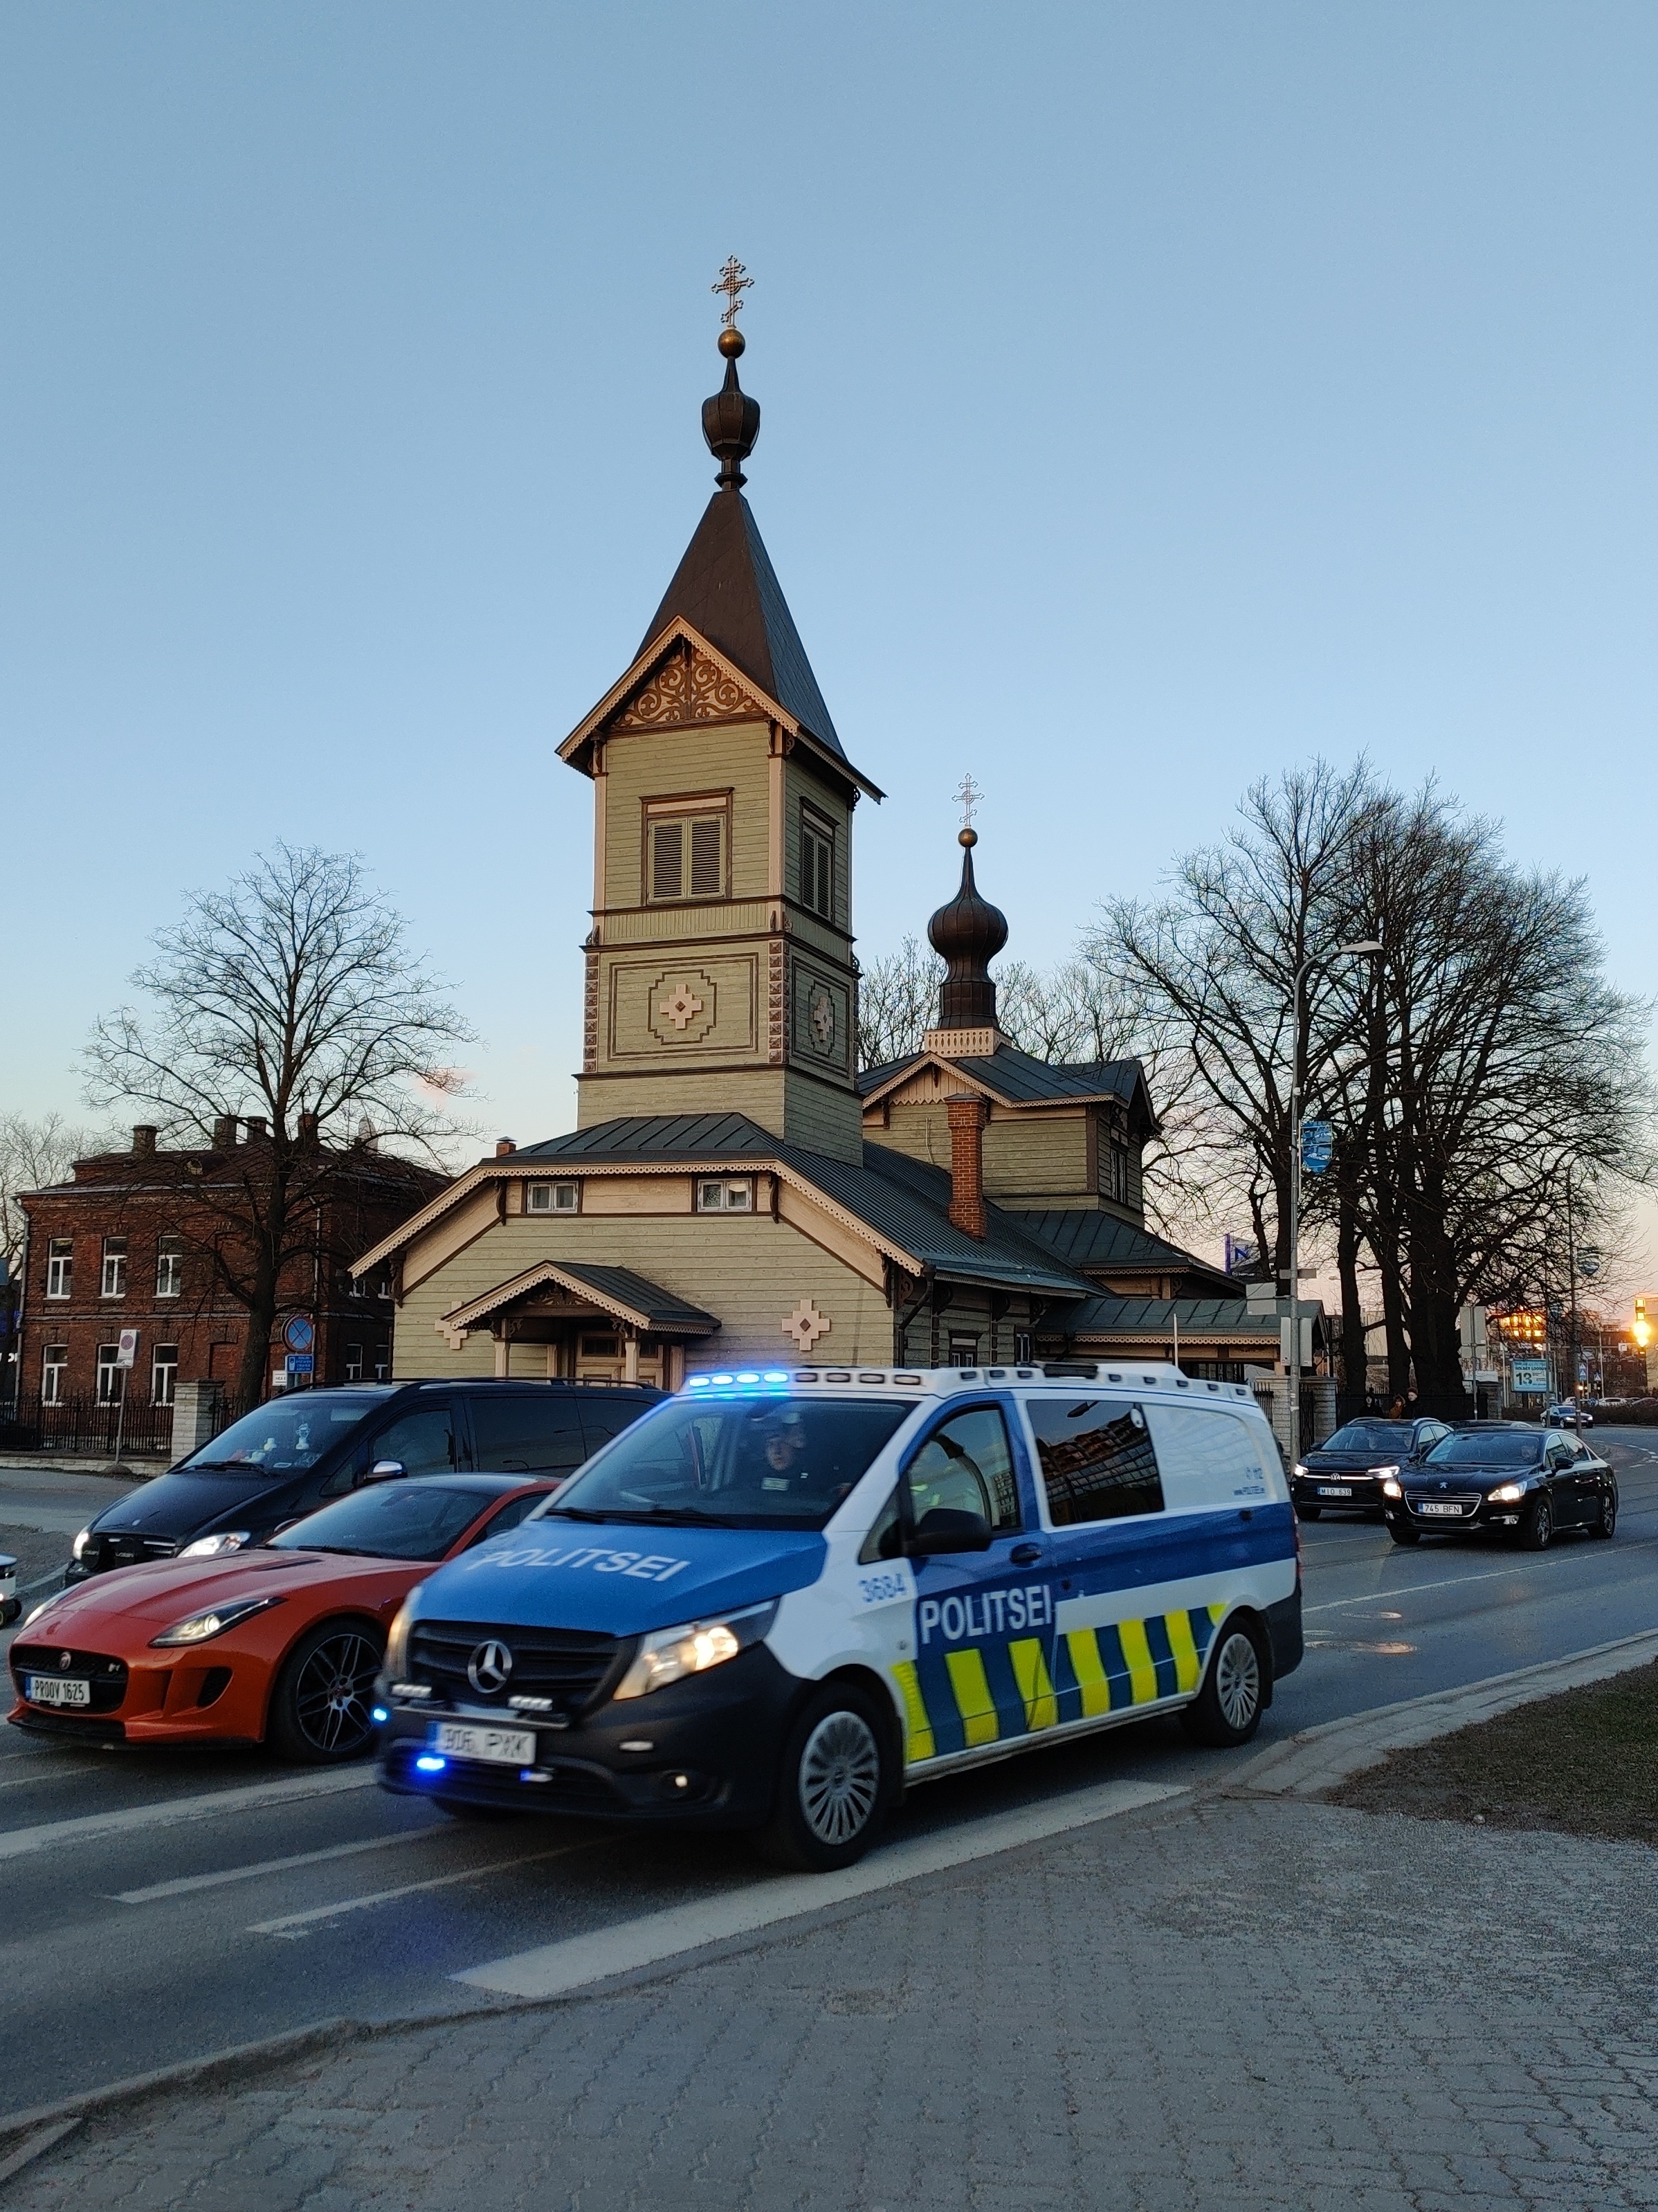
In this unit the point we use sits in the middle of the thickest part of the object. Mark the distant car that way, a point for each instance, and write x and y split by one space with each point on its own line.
279 1643
1503 1476
1344 1473
297 1453
1569 1415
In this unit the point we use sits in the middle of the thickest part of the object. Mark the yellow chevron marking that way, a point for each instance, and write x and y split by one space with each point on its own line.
1217 1613
974 1702
918 1736
1041 1707
1092 1677
1142 1668
1188 1672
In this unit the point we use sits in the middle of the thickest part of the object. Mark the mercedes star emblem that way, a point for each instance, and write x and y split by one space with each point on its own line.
488 1667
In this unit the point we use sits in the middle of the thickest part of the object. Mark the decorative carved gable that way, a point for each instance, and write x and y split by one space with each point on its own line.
685 686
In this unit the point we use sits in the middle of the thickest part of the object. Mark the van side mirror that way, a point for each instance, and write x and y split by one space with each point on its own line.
948 1528
386 1470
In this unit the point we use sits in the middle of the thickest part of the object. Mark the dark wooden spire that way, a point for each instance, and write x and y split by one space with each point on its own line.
966 935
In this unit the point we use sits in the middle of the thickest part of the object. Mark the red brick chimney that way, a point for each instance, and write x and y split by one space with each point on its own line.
967 1117
503 1145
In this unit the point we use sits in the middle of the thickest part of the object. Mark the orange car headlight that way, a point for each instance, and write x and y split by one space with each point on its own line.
203 1627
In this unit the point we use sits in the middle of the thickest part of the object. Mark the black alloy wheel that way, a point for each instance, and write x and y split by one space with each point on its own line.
836 1781
1402 1533
320 1708
1606 1525
1227 1709
1537 1529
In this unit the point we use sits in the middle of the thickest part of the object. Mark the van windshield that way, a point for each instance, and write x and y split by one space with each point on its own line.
744 1464
286 1437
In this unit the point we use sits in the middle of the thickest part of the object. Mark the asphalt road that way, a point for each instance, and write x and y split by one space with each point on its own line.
220 1897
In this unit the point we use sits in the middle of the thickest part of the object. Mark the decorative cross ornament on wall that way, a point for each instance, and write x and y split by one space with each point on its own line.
682 1008
805 1324
734 281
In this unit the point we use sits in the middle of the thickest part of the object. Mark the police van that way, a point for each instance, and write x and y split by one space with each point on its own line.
782 1597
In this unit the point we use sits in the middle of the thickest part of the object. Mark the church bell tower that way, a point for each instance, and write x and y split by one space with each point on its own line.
719 968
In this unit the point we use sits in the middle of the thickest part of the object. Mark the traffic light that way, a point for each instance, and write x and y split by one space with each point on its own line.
1642 1330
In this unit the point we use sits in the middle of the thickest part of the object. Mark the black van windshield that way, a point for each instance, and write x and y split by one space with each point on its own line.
1370 1437
743 1463
286 1437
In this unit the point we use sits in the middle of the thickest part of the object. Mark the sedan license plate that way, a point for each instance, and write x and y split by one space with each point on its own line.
57 1690
495 1747
1450 1512
1335 1490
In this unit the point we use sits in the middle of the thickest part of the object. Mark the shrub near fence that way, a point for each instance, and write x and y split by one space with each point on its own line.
78 1427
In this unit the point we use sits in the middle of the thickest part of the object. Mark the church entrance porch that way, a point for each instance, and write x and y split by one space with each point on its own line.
585 1322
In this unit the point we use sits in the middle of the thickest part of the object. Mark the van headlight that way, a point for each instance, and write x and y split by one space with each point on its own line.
79 1546
203 1627
1302 1473
214 1548
667 1655
397 1644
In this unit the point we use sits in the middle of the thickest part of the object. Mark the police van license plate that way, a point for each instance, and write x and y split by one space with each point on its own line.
57 1690
496 1746
1335 1490
1450 1512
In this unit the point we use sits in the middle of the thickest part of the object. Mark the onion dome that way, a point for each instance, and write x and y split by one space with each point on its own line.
731 420
966 935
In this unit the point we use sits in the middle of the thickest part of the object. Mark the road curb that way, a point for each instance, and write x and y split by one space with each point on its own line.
1315 1759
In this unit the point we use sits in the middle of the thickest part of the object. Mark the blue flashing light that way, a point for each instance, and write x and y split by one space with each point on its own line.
379 1713
752 1376
696 1382
775 1375
722 1378
430 1763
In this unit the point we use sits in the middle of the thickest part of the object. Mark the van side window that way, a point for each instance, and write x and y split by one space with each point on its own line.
1209 1460
966 1467
423 1440
1096 1459
526 1432
886 1540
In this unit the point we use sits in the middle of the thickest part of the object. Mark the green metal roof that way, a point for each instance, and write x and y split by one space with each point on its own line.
1089 1237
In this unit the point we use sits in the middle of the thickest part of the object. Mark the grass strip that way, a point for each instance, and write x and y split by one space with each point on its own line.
1585 1763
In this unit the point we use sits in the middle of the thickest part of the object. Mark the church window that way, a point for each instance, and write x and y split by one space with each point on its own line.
816 864
687 848
714 1197
554 1198
1114 1172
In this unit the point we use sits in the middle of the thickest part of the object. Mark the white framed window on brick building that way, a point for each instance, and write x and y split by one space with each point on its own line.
553 1198
163 1373
60 1268
382 1363
354 1363
54 1374
817 863
111 1375
112 1283
726 1195
169 1267
687 848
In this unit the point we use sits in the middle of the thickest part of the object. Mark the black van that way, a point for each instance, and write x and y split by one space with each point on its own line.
295 1453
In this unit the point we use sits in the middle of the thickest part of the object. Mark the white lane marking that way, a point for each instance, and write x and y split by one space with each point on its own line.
16 1842
183 1884
1451 1581
290 1924
555 1968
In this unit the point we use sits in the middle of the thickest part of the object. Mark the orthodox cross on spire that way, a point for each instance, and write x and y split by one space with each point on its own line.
971 796
734 281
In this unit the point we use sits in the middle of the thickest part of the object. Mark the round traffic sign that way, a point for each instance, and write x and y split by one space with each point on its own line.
299 1335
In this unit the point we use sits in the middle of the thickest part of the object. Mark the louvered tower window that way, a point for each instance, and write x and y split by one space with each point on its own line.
685 854
817 866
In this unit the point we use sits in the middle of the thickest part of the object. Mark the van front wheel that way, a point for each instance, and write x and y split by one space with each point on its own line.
834 1783
1227 1709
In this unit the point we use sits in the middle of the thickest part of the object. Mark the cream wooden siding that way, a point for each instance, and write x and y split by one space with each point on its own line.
749 1270
757 1092
799 783
823 1118
646 764
1026 1155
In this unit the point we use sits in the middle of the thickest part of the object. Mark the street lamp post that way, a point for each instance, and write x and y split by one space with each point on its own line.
1298 1081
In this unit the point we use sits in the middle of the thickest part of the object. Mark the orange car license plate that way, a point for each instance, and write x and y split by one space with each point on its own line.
57 1690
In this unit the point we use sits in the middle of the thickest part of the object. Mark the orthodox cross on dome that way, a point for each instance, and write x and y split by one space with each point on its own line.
734 281
971 796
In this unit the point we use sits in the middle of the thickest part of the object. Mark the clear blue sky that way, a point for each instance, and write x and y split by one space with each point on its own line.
1153 396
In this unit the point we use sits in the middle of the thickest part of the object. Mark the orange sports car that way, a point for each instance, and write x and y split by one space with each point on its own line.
280 1643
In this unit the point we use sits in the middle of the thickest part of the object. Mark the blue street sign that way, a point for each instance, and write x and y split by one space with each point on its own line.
1317 1142
301 1363
299 1335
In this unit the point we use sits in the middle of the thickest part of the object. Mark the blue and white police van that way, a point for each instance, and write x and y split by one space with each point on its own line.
783 1596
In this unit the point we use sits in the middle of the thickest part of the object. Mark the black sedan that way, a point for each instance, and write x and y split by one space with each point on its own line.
1501 1476
1347 1471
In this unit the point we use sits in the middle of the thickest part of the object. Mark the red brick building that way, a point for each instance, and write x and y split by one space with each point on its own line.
129 1244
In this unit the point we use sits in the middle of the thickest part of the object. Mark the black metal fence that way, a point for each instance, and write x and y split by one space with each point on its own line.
80 1427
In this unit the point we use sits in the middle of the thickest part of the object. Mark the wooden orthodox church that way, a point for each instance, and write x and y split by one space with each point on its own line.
737 1192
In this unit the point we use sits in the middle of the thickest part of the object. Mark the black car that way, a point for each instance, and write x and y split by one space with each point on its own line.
1503 1476
297 1452
1345 1472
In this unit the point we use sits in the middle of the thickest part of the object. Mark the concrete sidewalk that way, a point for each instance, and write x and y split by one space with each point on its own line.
1240 2002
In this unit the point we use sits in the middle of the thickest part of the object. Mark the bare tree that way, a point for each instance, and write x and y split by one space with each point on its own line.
292 1003
897 1004
32 1156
